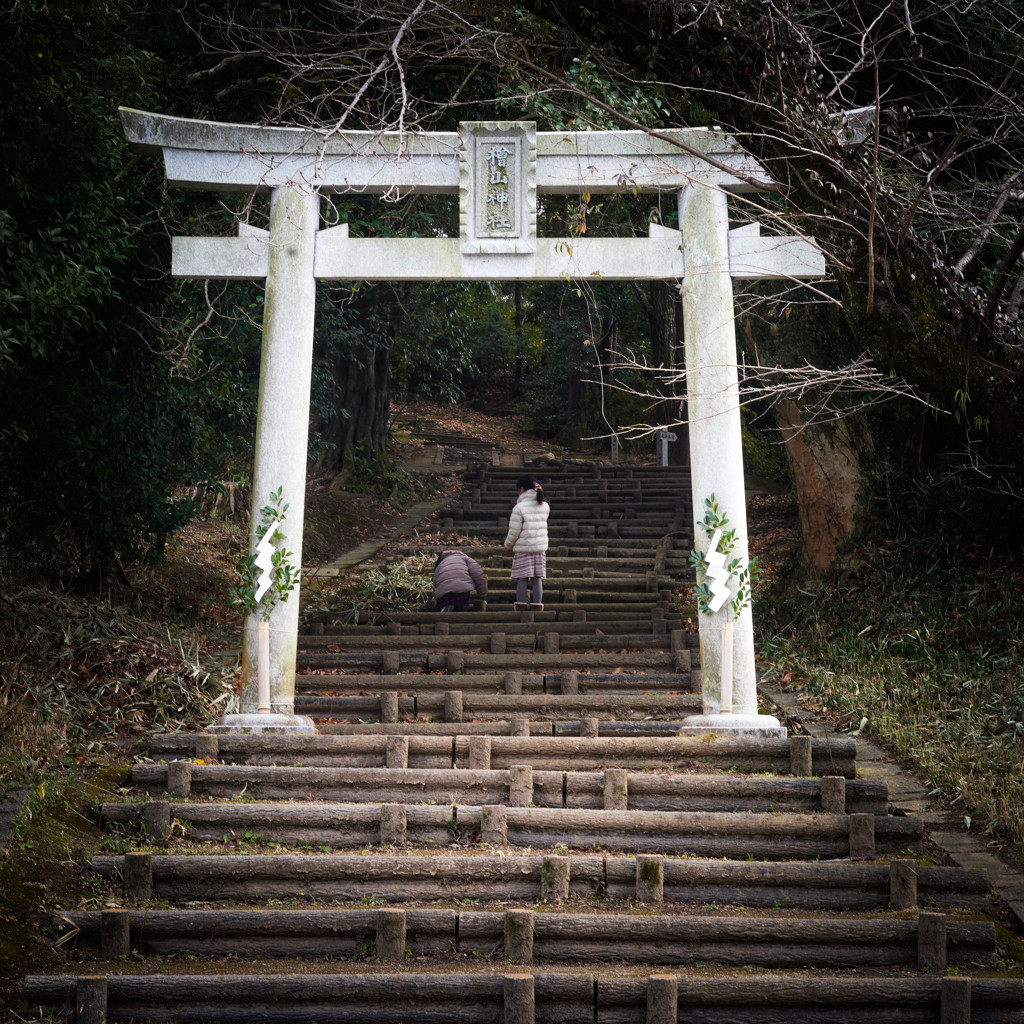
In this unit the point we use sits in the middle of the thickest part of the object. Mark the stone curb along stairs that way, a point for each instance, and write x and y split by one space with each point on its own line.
506 794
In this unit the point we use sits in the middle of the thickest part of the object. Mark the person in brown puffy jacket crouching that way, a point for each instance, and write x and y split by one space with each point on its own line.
455 576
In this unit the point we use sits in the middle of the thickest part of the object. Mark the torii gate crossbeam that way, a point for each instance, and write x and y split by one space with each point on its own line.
498 169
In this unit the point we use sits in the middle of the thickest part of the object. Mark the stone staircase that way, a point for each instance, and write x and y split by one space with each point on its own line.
499 821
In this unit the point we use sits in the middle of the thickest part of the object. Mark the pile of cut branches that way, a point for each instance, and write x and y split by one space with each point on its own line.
398 586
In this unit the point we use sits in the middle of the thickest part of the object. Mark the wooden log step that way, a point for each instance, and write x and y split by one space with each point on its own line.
285 933
732 836
633 528
618 548
498 642
632 641
550 614
484 996
580 661
608 562
775 836
625 682
586 507
352 877
520 727
741 755
489 663
350 785
551 937
640 625
587 683
415 683
575 471
585 595
798 755
595 684
899 885
738 941
515 727
802 1000
612 789
605 567
630 517
501 707
643 791
526 643
498 584
465 998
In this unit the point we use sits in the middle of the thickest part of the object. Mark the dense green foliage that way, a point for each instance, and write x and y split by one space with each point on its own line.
106 416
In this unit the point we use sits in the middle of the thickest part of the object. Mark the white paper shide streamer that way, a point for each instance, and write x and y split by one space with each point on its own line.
264 562
718 577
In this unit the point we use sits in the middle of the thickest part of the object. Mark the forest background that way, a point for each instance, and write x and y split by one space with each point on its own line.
888 397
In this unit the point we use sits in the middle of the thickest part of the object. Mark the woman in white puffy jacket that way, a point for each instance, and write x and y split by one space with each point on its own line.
528 540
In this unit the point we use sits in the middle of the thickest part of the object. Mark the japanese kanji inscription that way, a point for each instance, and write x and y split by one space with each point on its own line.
498 200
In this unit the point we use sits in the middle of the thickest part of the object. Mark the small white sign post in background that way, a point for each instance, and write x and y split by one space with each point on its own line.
664 438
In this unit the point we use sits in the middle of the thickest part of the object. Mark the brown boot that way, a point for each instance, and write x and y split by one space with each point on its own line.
532 608
521 606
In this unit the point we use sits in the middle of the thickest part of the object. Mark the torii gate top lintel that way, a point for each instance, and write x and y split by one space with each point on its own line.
498 169
596 161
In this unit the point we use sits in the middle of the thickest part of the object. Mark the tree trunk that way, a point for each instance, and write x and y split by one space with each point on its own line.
661 316
679 450
517 294
825 462
607 349
352 390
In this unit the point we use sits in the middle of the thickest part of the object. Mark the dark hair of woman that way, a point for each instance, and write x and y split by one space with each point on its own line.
527 483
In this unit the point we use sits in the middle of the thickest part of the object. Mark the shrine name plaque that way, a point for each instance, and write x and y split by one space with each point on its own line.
498 186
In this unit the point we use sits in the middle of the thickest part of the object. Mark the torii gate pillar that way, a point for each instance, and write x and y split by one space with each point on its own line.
716 445
282 438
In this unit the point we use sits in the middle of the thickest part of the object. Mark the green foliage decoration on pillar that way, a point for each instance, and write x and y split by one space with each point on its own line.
745 576
283 575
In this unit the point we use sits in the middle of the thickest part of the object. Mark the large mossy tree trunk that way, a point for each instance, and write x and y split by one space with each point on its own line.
826 462
830 459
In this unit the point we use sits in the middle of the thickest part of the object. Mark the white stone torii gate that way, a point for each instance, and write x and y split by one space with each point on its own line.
498 169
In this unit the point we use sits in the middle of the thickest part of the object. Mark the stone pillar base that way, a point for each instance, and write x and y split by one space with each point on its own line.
762 727
274 725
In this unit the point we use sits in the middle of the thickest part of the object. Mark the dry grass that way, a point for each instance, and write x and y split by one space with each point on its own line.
77 672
